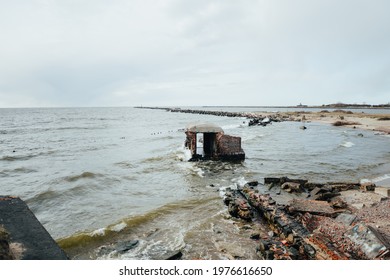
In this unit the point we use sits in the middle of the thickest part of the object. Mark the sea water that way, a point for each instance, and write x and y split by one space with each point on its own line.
97 176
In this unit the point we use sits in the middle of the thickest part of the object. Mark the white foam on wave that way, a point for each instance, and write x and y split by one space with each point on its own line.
99 232
119 227
240 181
183 154
381 178
198 171
385 177
222 190
347 144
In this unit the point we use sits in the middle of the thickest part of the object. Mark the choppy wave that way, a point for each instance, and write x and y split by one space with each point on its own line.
46 195
52 194
84 175
125 164
100 236
79 128
347 144
14 158
153 159
19 170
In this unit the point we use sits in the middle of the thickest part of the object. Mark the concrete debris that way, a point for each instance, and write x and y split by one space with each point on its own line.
370 240
383 191
308 228
346 219
312 206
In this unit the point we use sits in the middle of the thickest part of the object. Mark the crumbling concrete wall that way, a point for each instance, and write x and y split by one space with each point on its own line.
191 141
229 147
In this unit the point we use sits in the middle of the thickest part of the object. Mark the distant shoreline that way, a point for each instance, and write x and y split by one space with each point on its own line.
349 106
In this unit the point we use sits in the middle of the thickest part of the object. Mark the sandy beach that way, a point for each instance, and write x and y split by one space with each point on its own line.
373 122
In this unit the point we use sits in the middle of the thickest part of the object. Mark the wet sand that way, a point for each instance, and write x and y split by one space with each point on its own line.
373 122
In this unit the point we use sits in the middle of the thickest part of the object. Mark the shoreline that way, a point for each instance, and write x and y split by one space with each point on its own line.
365 121
374 122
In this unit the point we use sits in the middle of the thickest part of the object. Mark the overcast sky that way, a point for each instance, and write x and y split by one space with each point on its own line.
193 52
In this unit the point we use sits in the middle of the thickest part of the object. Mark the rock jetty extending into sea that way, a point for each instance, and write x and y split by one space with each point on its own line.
337 117
255 118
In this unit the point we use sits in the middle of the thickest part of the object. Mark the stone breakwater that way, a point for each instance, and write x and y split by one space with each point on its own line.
255 118
375 122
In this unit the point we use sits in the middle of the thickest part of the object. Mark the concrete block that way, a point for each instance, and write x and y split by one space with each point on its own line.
346 219
25 229
370 240
383 191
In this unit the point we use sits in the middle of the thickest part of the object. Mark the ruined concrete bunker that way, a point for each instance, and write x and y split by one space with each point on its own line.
207 141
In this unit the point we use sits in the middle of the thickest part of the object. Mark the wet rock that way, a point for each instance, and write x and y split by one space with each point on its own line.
233 209
125 246
253 183
291 187
271 180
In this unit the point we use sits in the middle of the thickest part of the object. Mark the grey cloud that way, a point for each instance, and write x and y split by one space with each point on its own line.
105 53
